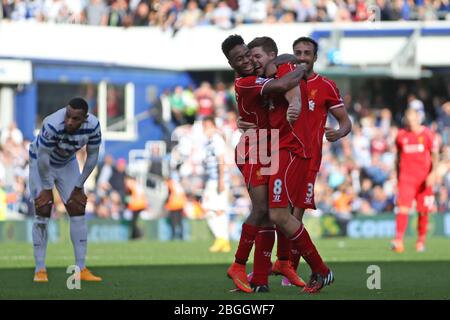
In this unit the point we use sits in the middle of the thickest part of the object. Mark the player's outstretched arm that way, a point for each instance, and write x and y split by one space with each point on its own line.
285 83
345 125
285 58
295 105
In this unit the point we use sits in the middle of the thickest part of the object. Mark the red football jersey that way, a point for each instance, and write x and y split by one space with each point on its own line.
251 107
415 151
295 137
323 95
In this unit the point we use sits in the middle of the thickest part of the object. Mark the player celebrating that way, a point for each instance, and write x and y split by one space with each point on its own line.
250 90
287 186
323 98
264 49
417 158
53 163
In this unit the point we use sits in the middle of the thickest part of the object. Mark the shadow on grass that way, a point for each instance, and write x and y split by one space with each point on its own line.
399 280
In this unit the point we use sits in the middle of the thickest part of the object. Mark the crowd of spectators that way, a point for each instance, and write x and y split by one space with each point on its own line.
225 14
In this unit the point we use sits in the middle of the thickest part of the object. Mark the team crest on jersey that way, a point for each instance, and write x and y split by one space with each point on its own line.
311 105
45 134
258 174
312 94
421 139
260 80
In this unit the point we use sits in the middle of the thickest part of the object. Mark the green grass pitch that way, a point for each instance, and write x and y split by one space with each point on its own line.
186 270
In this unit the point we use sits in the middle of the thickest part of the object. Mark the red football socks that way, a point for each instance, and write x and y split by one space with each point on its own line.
248 235
264 242
401 225
283 246
294 258
422 226
302 242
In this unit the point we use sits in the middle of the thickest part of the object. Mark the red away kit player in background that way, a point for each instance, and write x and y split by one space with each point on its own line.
417 158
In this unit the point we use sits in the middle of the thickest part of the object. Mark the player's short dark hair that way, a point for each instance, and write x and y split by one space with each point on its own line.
79 103
229 43
267 43
309 40
211 119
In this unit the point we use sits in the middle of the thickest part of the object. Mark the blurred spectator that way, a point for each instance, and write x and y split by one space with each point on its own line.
105 171
174 15
96 13
222 16
117 180
136 203
118 14
141 14
205 99
175 204
13 133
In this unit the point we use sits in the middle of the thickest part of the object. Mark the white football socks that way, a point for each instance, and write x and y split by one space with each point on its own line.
78 235
39 234
219 225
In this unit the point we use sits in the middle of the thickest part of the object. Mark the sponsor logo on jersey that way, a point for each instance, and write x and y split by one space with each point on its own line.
413 148
311 105
260 80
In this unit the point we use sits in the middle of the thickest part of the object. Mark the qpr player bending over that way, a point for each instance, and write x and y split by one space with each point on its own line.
53 164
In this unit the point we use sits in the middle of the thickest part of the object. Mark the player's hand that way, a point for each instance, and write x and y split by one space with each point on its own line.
77 200
270 70
293 112
332 135
243 125
45 197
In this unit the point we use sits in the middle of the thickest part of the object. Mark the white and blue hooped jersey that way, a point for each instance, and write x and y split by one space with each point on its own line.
63 145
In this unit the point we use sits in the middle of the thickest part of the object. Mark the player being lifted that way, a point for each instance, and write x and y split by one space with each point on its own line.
417 159
250 90
53 163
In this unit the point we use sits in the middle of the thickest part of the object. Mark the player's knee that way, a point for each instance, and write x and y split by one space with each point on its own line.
261 213
44 211
74 211
278 216
298 213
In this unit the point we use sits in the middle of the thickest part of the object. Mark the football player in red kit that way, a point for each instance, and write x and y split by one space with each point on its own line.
417 158
287 186
250 91
323 98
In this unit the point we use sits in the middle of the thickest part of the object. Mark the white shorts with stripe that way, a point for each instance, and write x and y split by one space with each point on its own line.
65 178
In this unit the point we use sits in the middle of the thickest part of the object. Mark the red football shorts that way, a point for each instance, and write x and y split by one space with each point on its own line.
288 184
308 194
252 175
410 190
